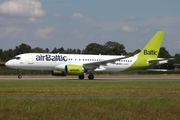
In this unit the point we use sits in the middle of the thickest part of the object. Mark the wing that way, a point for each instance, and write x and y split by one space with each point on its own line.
96 64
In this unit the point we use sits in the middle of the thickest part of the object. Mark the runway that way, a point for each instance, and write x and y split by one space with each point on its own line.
116 79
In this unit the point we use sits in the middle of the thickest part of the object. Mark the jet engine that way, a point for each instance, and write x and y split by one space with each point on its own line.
69 69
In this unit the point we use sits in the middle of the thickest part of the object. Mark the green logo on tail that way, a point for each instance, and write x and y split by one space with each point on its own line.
150 52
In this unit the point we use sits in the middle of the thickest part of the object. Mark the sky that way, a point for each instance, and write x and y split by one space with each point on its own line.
77 23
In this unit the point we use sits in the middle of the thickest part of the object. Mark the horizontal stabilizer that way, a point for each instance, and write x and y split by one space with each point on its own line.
160 61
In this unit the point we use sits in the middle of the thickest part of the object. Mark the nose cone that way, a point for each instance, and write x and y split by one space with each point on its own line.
9 64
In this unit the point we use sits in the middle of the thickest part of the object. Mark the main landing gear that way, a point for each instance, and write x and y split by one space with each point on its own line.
81 76
90 76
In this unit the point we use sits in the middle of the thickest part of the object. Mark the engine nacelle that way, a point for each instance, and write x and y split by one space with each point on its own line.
69 69
58 73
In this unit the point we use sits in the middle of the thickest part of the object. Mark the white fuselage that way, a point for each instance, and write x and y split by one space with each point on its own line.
47 61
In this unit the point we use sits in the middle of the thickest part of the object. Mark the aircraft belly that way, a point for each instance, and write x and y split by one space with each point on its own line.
33 67
116 67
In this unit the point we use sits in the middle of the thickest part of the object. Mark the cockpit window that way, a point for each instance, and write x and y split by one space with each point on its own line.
17 58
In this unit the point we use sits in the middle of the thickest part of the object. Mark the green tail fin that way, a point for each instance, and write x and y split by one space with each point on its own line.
151 50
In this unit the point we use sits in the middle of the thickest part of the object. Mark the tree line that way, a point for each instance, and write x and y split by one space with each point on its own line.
109 48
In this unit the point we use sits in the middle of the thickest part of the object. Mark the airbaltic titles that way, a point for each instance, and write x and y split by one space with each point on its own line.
51 58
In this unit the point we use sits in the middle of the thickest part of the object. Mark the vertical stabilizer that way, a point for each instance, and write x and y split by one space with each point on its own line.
151 50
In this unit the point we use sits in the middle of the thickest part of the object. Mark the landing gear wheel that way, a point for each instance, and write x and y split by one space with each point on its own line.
91 76
20 76
81 77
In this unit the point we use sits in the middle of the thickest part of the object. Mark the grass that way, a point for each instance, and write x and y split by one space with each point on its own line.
90 109
90 100
90 88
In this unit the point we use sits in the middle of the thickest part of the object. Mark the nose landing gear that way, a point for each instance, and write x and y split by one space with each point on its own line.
20 76
19 73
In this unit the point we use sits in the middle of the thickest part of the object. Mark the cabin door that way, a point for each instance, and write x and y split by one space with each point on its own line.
30 59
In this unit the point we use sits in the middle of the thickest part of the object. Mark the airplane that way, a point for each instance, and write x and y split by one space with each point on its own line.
79 64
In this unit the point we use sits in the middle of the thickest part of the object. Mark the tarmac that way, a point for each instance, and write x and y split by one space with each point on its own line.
117 79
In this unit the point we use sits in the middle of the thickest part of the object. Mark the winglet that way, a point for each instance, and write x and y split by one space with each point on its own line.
151 50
